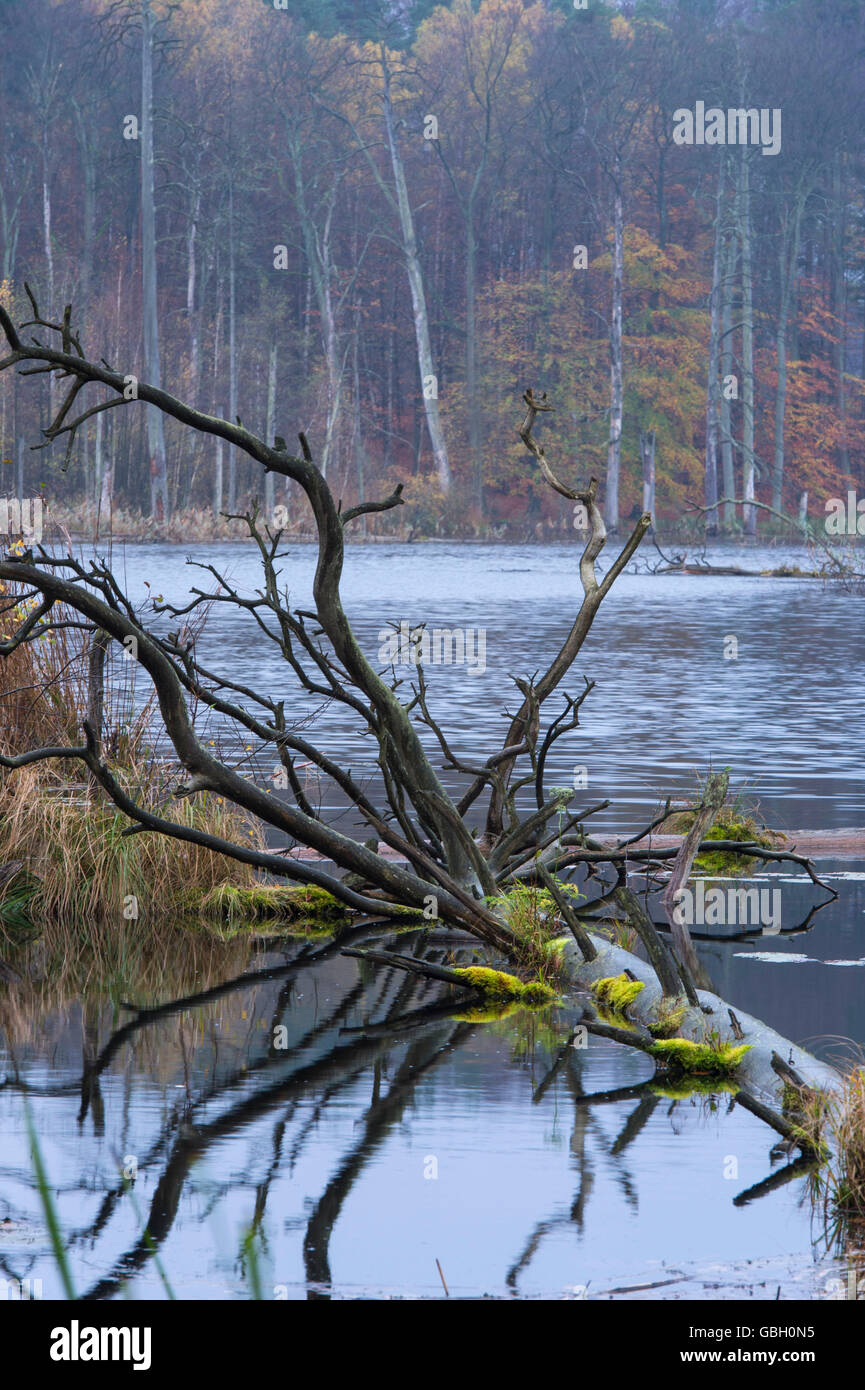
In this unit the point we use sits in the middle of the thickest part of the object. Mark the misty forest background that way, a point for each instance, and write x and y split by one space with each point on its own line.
300 215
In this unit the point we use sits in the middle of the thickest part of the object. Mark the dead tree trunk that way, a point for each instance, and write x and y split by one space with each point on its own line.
428 375
729 388
749 513
713 388
647 458
155 427
614 450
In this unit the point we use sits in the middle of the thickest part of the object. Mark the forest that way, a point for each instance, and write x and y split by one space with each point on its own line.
432 821
384 219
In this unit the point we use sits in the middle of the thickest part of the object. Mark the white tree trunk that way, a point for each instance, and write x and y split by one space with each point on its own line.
749 514
48 251
191 276
614 451
429 377
359 449
713 389
647 454
323 280
155 430
728 475
232 348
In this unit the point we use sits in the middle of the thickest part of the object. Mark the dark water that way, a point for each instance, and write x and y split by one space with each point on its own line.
373 1144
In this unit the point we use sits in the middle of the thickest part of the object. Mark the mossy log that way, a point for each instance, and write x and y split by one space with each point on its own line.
754 1042
492 984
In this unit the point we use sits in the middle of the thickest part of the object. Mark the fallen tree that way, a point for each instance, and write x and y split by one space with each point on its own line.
437 862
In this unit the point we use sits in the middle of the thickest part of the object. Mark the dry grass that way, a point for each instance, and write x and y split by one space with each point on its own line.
43 683
201 524
80 867
73 843
844 1175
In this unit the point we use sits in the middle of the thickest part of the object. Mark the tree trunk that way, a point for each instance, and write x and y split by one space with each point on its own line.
191 274
217 473
232 348
472 400
614 452
88 211
48 247
713 390
788 259
749 514
662 196
429 378
728 473
10 226
331 348
647 454
155 426
96 693
839 301
105 503
269 428
359 449
98 475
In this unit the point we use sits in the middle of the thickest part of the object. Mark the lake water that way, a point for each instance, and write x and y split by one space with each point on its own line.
372 1145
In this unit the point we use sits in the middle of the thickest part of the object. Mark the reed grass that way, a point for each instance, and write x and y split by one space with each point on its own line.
79 864
841 1119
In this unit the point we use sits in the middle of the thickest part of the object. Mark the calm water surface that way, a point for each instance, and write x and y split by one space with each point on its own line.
374 1142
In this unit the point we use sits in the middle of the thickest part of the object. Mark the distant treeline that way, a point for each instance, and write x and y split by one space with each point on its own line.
381 221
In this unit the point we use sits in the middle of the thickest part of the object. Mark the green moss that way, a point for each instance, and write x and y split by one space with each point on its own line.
553 948
273 904
496 984
730 824
617 992
553 952
700 1059
668 1020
